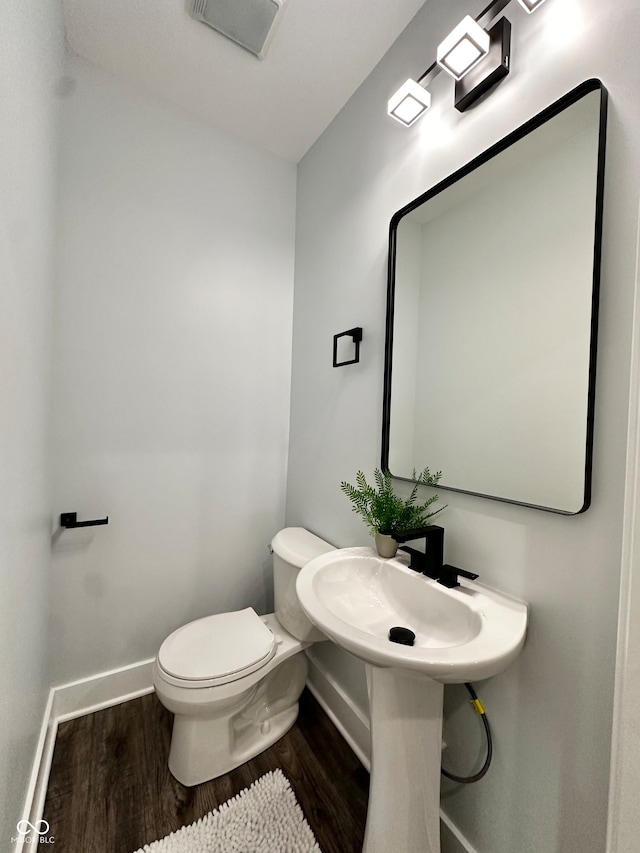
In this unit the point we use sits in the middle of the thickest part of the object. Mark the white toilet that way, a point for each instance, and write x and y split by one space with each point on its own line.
233 680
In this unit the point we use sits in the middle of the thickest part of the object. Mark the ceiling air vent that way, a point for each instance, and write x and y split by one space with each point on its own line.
249 23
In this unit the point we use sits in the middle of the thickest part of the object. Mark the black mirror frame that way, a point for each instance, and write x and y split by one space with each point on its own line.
591 85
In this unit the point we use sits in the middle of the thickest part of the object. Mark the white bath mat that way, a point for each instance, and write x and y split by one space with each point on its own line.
264 818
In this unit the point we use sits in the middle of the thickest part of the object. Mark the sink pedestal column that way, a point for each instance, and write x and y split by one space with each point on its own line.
406 744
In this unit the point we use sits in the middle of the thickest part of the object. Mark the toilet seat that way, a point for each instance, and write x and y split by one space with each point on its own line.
216 650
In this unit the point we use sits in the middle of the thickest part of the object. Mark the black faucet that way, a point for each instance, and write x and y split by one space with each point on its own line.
431 562
450 574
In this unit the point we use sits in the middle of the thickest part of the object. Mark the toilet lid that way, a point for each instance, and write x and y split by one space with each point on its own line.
223 646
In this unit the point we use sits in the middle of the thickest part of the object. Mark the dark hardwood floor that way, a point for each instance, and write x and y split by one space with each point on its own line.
110 790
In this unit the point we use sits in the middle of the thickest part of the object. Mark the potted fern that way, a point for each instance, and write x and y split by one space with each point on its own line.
385 513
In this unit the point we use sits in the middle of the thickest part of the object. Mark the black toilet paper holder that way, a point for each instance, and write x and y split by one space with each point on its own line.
70 519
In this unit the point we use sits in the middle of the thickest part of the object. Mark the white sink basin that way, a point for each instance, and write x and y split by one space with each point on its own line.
462 634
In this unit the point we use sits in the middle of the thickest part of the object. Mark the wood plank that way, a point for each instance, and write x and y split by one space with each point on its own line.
110 790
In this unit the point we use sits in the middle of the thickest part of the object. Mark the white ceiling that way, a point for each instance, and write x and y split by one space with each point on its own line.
321 53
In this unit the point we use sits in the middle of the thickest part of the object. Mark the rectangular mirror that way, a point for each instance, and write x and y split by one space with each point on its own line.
492 315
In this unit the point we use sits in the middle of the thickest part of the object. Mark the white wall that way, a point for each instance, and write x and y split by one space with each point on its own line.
31 48
171 372
624 817
551 712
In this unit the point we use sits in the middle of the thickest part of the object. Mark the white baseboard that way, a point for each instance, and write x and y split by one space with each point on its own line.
353 725
102 691
451 839
67 702
37 788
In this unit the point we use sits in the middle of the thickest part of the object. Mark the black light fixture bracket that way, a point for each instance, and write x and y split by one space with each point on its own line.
356 335
493 68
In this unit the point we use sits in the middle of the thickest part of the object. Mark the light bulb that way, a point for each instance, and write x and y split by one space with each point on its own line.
463 48
409 103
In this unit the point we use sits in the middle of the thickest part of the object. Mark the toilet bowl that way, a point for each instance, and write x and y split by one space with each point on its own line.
233 680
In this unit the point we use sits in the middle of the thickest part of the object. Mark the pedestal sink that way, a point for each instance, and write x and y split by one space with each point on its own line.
463 634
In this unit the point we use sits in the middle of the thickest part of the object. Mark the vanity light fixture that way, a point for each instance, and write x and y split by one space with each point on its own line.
476 55
409 103
463 48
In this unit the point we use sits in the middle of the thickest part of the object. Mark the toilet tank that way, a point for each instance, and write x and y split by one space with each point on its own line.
293 548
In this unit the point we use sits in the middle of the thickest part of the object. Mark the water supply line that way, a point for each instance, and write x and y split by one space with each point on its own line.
478 707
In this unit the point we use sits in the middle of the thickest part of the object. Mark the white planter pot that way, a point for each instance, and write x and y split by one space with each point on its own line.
386 545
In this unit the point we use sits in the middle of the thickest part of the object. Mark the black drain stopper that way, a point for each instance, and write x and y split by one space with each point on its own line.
404 636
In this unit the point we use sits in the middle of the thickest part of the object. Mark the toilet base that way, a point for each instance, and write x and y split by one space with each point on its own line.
205 745
195 766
